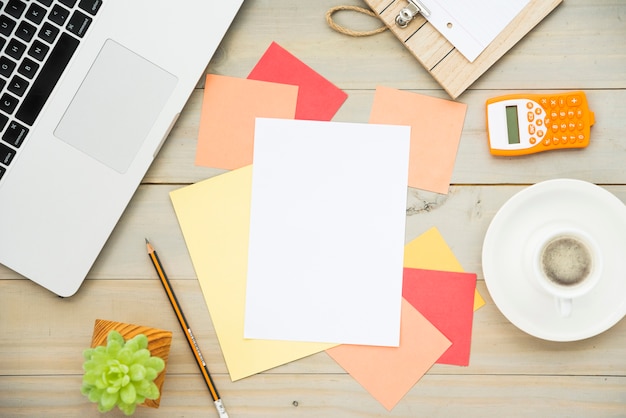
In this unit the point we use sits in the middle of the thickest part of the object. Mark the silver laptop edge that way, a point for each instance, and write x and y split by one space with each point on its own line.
61 198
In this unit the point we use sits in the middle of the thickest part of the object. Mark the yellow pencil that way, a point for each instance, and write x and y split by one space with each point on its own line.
186 330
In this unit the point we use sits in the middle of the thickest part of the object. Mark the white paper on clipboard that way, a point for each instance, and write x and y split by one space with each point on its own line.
472 25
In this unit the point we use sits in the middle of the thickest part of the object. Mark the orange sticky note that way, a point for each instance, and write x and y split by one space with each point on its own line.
388 373
436 126
229 109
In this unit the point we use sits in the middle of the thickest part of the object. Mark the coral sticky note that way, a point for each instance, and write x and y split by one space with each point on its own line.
229 108
446 299
318 98
436 126
388 373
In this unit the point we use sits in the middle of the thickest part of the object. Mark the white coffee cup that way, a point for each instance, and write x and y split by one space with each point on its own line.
567 264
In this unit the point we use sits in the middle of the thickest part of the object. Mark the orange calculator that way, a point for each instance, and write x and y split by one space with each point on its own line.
519 124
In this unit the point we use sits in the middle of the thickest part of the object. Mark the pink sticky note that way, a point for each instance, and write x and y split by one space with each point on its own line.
436 126
446 299
388 373
229 109
318 98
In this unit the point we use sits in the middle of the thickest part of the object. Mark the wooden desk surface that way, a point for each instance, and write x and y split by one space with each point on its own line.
581 45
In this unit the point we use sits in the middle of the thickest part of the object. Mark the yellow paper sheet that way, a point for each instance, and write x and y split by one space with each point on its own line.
230 107
429 251
214 216
436 126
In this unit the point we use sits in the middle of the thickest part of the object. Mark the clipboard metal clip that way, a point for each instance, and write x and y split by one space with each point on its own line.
407 14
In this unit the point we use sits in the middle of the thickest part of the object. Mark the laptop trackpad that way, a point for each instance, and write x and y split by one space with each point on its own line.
115 106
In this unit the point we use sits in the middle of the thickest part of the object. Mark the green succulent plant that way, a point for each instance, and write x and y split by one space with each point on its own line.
122 373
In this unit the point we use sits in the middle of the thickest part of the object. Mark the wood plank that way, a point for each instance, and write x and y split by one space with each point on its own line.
601 162
579 45
336 396
48 328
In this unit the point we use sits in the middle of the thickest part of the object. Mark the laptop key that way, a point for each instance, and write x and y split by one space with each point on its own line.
35 13
6 25
58 15
90 6
48 32
15 49
46 80
3 121
15 134
79 23
8 103
25 31
2 171
38 50
68 3
15 8
6 154
6 67
18 86
28 68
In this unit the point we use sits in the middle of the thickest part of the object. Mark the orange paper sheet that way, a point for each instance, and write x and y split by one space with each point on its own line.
436 126
388 373
229 109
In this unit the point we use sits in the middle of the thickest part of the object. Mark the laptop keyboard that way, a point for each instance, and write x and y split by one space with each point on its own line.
37 40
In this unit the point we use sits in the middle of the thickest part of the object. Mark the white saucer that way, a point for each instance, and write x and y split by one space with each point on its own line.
566 202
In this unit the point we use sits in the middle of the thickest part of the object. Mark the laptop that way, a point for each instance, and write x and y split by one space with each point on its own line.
89 92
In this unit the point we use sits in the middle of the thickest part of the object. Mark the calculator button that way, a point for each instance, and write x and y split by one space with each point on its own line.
571 126
580 126
579 113
544 101
562 101
562 114
538 111
555 127
540 133
531 116
581 137
529 105
572 139
574 100
553 102
571 113
554 114
547 141
564 139
532 140
538 122
563 127
531 129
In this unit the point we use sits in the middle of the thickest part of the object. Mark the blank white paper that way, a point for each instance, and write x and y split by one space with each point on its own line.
327 228
472 25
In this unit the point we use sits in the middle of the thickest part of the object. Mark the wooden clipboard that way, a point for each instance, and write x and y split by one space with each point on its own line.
451 69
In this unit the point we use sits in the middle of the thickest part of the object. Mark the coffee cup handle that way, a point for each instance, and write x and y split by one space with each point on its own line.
564 306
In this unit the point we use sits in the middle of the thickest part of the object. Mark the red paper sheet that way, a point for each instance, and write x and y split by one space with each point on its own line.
446 299
318 98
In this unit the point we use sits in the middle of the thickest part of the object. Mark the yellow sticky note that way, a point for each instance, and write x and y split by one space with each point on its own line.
214 216
429 251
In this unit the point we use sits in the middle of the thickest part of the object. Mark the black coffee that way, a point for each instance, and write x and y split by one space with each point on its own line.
566 261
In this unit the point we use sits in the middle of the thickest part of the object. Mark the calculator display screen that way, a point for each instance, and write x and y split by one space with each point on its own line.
512 125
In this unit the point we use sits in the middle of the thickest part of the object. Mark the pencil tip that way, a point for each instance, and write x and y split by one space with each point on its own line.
147 242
